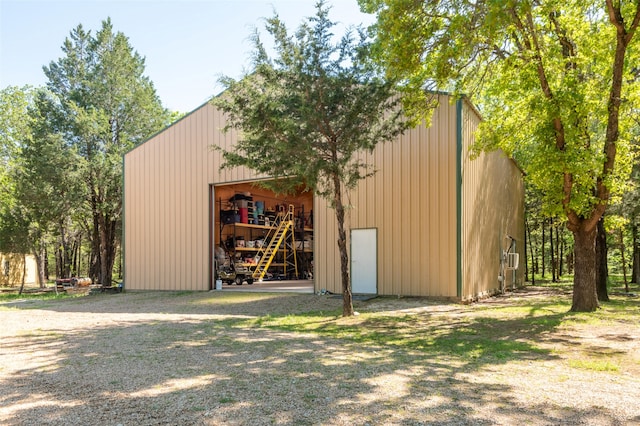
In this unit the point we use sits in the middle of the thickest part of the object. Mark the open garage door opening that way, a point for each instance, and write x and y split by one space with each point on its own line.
260 237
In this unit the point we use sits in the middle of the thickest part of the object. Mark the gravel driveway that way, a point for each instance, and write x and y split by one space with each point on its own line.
192 359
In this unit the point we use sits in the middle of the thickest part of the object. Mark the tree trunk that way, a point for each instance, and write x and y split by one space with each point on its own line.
58 262
24 272
94 257
347 299
46 261
570 263
635 267
531 250
66 251
585 298
602 273
526 251
542 250
624 261
74 257
112 247
95 267
119 250
554 276
40 255
107 249
561 244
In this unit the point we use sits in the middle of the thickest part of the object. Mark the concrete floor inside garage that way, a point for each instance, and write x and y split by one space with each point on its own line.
293 286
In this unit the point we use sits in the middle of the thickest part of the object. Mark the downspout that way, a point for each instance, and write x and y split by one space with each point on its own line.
459 198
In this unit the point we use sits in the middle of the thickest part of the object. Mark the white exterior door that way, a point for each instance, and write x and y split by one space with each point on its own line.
364 261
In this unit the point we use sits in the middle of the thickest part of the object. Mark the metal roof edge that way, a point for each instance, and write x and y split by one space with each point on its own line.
174 123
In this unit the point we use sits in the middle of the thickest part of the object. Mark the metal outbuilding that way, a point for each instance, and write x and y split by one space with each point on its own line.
432 221
16 268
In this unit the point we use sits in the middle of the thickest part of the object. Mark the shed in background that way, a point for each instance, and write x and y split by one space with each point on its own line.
14 267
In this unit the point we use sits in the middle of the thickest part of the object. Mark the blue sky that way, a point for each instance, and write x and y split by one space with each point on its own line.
187 44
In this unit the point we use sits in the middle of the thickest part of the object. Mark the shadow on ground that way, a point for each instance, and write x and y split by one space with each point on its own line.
192 370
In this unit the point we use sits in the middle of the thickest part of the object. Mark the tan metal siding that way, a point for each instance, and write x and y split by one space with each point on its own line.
167 202
411 201
20 266
492 208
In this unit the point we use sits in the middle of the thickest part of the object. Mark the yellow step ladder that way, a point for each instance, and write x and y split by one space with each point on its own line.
276 237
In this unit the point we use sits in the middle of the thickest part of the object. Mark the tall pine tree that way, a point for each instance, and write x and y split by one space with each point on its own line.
106 105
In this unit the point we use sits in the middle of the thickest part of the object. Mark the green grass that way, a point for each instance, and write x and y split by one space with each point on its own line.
472 339
615 283
481 333
48 295
39 333
594 365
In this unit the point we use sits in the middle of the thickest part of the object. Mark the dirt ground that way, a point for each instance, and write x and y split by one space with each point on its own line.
193 359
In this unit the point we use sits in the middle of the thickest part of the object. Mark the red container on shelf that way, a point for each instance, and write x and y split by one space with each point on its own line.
244 214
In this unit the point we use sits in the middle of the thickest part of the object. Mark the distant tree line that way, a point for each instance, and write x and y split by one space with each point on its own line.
549 248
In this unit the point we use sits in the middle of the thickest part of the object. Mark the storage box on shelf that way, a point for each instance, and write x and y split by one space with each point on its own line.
244 230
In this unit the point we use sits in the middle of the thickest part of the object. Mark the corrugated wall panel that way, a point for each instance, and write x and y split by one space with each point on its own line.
387 203
173 207
165 195
189 208
173 167
152 205
493 207
178 203
145 221
201 200
409 200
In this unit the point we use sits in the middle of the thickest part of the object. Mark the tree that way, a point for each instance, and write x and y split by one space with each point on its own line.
631 210
306 114
105 107
49 184
554 80
624 218
41 187
14 125
14 128
602 268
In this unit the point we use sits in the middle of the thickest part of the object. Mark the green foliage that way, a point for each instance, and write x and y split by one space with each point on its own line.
629 203
14 122
526 65
555 81
15 130
101 106
61 148
306 113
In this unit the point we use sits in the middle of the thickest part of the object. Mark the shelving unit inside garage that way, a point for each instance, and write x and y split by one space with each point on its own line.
262 236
